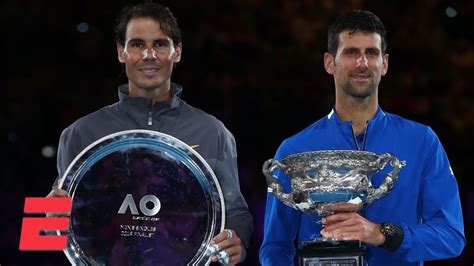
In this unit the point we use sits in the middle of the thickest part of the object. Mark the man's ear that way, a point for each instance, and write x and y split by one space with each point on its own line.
329 63
120 53
178 49
385 64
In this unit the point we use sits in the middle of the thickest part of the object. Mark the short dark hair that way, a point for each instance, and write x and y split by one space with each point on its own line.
356 21
168 23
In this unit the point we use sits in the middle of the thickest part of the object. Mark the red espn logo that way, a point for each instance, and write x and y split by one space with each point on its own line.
30 239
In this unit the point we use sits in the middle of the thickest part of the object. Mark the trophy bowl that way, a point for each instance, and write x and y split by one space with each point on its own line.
324 182
327 182
141 197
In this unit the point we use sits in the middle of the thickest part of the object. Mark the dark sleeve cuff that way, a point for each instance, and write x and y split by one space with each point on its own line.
243 226
394 241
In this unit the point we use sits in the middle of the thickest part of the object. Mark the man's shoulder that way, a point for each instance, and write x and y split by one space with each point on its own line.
405 123
93 119
198 116
199 127
310 131
298 141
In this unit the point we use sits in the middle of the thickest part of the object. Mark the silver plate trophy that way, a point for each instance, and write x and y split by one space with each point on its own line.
325 182
141 197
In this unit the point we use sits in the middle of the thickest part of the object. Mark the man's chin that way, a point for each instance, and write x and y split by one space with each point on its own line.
361 92
150 86
360 96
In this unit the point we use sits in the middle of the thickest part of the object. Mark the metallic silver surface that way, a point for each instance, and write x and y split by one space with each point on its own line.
212 250
324 182
223 257
142 197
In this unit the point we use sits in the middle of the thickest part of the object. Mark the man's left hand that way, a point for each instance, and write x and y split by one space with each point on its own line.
352 226
230 243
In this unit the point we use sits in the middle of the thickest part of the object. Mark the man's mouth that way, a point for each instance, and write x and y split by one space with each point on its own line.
149 70
361 76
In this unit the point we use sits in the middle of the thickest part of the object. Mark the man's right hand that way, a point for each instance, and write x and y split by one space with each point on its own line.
56 192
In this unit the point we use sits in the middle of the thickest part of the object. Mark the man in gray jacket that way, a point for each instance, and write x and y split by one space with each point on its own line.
149 45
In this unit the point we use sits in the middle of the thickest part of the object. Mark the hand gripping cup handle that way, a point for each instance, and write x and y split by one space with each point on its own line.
389 180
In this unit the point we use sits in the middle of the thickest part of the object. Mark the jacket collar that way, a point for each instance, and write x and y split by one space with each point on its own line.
125 98
345 127
334 118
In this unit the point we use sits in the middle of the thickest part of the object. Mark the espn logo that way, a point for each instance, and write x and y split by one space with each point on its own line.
30 238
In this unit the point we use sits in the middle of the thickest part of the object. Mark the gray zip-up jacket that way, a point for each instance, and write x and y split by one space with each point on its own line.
176 118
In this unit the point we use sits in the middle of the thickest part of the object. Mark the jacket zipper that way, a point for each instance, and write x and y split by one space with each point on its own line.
150 114
363 140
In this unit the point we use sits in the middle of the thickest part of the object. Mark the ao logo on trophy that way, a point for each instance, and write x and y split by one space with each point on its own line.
129 203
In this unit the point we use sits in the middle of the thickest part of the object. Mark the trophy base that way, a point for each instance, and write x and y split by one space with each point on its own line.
324 252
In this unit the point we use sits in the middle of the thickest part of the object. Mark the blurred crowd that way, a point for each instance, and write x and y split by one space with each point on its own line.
257 65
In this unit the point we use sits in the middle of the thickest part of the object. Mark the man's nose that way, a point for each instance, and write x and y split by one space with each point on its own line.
149 54
362 62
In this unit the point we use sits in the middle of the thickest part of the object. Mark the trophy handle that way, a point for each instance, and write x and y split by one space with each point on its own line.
272 181
390 178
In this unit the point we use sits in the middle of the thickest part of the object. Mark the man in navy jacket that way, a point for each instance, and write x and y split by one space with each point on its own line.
423 209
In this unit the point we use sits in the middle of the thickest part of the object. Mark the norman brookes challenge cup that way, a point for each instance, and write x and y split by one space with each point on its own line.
141 197
323 182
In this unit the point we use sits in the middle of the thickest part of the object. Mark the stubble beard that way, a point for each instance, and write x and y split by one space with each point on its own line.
359 93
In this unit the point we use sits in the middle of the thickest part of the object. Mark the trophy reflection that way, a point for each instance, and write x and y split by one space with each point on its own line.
326 182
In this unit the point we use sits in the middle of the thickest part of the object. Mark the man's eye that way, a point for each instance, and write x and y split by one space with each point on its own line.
161 44
351 52
372 52
137 45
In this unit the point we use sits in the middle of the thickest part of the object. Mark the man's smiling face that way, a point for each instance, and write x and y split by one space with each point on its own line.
149 55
